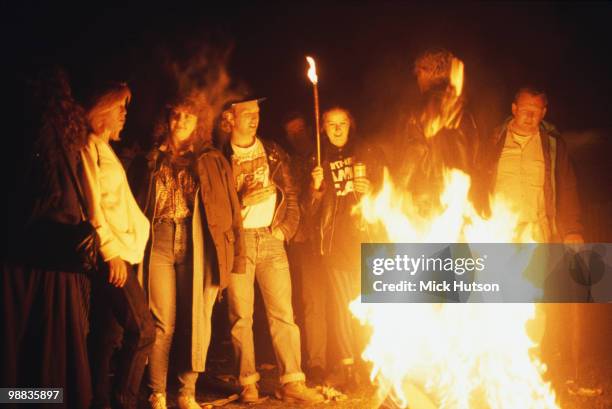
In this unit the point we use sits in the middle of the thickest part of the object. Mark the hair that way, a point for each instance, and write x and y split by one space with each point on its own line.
533 91
195 103
433 67
104 100
59 114
58 122
292 116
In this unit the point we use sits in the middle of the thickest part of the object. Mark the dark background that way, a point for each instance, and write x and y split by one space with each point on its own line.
364 52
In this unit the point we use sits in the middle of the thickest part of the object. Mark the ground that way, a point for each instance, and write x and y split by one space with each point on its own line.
575 348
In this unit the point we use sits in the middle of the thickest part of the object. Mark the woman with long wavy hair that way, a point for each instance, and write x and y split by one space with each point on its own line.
44 299
188 195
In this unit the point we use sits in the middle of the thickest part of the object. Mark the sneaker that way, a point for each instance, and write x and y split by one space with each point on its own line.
298 392
249 394
188 402
158 401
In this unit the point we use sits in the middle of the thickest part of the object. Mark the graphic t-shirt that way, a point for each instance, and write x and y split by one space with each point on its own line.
346 234
256 192
342 175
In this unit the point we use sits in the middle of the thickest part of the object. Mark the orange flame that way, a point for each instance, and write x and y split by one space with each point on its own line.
449 113
454 356
312 70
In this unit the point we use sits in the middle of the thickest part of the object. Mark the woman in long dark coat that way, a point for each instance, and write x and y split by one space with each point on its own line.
44 308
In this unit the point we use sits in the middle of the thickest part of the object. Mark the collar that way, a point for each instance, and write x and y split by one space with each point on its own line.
244 149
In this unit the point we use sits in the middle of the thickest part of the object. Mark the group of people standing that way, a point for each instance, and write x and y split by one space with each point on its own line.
188 220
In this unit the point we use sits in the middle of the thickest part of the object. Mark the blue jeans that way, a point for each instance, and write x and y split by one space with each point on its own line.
266 262
171 273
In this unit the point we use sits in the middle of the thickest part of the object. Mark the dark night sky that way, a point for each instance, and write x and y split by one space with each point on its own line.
364 52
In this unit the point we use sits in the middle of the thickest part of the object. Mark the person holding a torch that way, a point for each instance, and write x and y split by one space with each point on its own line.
348 170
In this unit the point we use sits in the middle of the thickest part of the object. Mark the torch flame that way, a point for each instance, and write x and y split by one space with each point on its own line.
312 70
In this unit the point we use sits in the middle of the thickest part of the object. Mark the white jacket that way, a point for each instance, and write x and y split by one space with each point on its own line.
122 227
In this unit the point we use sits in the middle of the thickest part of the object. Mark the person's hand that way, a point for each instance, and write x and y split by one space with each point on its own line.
317 177
362 185
117 272
278 233
573 238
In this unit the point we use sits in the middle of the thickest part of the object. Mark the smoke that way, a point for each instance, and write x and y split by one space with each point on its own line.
202 81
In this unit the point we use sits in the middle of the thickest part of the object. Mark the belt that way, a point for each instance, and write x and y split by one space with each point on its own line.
172 220
267 229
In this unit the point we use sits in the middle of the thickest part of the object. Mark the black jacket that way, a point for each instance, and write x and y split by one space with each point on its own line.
323 203
287 213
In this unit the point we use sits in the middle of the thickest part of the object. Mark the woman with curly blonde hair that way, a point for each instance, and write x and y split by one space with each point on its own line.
187 192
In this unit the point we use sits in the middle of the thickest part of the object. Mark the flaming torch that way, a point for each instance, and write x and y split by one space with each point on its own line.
312 75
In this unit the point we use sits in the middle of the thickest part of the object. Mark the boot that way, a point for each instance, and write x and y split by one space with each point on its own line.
298 392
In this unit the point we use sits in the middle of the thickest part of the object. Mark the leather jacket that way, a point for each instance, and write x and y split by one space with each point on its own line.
287 212
322 204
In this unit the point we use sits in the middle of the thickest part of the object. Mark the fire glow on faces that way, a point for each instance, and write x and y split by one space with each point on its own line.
114 119
337 125
245 120
182 124
528 111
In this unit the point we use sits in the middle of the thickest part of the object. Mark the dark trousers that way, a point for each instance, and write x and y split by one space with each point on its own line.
310 299
119 317
344 285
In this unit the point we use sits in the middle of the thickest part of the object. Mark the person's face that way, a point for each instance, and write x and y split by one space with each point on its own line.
114 120
182 124
295 130
337 125
528 111
246 121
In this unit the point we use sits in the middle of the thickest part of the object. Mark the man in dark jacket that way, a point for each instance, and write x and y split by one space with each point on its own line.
527 164
270 216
